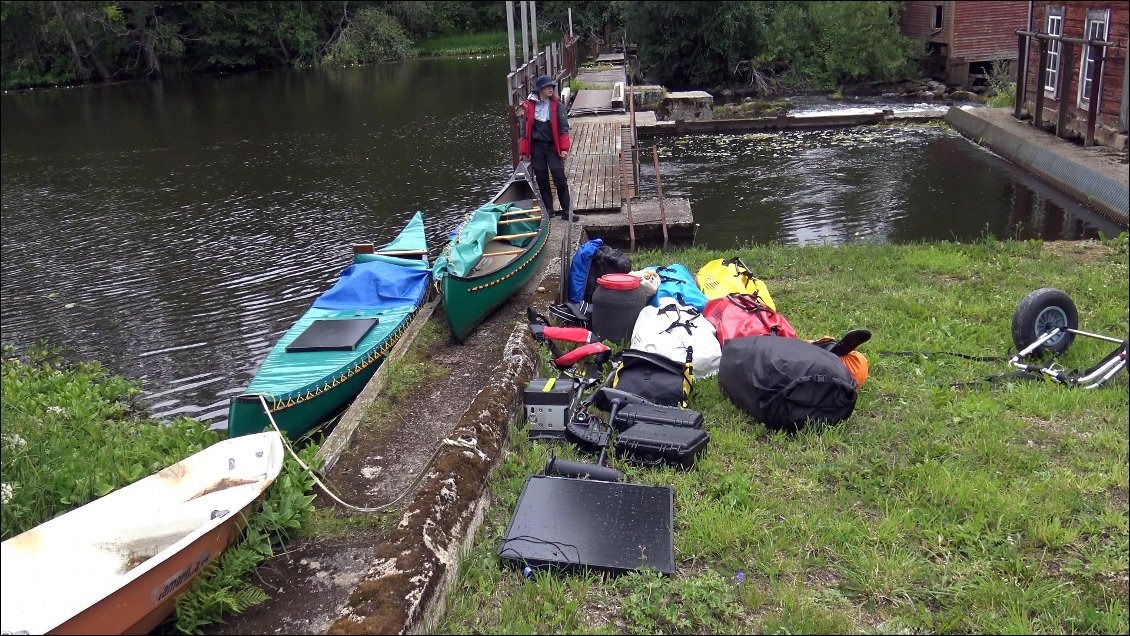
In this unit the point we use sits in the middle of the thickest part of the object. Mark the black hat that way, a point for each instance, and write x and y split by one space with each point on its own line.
542 82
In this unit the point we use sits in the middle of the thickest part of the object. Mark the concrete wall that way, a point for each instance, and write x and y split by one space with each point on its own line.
1086 184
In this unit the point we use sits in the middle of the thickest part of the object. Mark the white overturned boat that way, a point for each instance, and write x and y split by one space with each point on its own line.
117 564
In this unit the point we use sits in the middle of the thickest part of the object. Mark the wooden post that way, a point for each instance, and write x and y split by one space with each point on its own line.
1021 74
1041 80
534 23
626 196
659 192
1066 62
525 32
1095 96
570 21
510 37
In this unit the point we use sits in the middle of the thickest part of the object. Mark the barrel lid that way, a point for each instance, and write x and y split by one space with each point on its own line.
618 281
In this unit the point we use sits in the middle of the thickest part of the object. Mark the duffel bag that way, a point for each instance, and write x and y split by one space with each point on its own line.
579 269
784 382
720 277
740 315
676 281
671 329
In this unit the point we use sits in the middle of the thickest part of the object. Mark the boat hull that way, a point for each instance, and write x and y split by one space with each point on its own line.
299 412
470 301
118 564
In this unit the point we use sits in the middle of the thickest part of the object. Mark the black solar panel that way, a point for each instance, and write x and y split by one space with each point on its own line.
332 335
615 527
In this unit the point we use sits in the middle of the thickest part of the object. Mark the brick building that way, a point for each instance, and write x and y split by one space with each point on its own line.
1069 67
964 36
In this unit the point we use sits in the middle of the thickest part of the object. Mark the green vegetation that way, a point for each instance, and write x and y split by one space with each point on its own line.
72 433
988 508
577 85
410 372
770 44
463 44
69 41
224 588
1001 80
758 108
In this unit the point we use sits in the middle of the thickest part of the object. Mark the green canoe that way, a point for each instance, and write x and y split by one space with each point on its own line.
494 254
323 361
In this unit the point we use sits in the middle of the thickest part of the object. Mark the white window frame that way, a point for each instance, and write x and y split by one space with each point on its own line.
1095 18
1055 48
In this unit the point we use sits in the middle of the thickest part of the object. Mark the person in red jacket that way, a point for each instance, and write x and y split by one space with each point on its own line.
544 142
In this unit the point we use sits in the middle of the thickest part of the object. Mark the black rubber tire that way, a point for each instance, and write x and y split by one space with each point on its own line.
1039 312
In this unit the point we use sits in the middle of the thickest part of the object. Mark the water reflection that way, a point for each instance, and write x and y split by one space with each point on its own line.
892 184
192 221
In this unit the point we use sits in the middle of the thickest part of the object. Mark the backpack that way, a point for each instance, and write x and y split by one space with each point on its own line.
579 270
739 315
652 377
606 260
784 382
721 277
676 281
671 330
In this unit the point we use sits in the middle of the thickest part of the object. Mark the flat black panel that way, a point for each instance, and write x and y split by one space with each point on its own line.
332 335
607 526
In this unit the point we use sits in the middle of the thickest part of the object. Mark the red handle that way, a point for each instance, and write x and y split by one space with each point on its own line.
569 334
576 355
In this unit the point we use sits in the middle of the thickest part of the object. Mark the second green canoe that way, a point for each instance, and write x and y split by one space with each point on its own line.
493 254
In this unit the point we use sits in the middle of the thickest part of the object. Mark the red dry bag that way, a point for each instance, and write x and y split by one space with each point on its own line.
740 315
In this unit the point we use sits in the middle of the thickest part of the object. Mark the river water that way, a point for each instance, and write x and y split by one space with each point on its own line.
173 230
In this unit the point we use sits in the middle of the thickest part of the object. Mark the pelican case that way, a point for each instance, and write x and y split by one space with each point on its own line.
633 414
654 444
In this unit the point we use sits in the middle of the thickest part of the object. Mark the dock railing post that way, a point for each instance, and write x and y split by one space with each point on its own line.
1041 81
1096 95
525 31
1066 63
626 197
510 34
659 193
1021 74
534 23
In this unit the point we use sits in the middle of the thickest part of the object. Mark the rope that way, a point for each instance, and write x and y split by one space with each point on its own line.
464 442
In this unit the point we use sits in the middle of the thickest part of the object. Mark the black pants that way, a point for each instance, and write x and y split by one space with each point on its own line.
543 161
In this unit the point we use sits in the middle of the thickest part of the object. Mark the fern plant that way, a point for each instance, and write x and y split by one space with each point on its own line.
223 589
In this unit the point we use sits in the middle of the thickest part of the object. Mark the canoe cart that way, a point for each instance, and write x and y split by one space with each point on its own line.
1047 321
321 363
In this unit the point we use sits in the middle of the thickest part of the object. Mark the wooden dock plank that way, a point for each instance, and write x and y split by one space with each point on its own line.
593 166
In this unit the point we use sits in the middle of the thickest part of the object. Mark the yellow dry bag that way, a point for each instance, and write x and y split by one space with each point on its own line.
720 277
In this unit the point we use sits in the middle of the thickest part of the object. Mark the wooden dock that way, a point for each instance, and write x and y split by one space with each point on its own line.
593 166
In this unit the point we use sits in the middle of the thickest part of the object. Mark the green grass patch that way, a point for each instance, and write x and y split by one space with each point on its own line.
989 508
411 371
463 44
577 85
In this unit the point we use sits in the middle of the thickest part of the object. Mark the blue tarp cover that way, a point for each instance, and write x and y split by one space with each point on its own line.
375 285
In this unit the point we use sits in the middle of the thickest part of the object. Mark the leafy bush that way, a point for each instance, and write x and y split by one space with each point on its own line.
1001 80
766 43
372 36
71 433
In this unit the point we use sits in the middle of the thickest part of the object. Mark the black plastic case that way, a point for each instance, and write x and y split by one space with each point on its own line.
633 414
653 444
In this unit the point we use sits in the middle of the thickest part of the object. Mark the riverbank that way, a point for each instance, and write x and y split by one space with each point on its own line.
999 507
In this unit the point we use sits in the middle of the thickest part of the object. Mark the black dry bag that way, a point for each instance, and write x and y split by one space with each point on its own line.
606 260
782 382
653 377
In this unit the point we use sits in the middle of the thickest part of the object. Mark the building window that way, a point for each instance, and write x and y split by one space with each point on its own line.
1097 22
1055 27
937 16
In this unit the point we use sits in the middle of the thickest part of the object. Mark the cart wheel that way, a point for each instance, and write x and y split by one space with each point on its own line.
1040 312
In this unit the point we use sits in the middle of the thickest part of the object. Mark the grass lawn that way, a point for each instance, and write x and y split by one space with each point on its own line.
990 508
476 43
